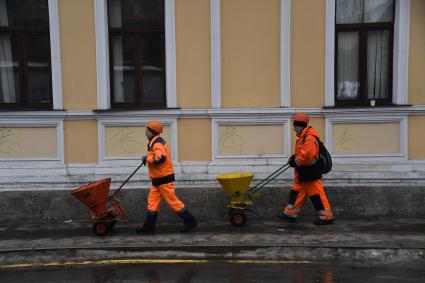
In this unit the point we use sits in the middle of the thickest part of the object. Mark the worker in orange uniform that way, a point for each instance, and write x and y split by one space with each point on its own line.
161 172
308 176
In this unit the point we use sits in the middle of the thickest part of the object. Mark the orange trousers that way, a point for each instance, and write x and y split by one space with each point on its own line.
315 191
167 192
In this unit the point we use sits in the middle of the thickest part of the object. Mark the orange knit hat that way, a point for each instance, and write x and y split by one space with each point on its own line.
156 126
301 119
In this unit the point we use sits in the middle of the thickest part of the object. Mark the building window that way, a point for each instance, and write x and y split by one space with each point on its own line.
364 48
25 69
137 53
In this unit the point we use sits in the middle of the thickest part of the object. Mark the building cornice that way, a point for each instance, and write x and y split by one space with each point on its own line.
408 110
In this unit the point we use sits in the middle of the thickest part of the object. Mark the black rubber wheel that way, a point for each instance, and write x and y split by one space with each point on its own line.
238 219
112 223
100 228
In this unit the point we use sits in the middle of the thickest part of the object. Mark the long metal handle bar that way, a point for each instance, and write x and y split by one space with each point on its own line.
268 179
129 177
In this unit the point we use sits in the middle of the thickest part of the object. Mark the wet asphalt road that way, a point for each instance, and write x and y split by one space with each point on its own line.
218 272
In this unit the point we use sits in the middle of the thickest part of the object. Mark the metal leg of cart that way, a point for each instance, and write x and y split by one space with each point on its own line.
238 216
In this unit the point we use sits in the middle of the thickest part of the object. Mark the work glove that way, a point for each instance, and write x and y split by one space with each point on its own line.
291 161
144 158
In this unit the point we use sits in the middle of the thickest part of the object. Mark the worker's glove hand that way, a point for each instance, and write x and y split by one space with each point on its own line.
291 161
144 158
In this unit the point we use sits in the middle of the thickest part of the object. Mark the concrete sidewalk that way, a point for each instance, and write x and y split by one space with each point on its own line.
371 240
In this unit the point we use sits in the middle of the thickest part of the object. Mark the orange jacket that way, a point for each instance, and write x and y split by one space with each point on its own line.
306 149
159 162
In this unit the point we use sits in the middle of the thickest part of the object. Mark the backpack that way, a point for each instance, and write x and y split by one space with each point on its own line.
325 159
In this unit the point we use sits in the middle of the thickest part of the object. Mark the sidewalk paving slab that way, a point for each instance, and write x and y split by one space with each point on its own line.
374 239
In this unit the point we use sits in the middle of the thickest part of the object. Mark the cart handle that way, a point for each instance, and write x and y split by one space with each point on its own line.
125 182
269 178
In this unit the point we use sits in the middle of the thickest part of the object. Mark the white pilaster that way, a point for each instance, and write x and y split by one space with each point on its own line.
55 54
285 53
102 54
330 54
170 53
401 52
215 54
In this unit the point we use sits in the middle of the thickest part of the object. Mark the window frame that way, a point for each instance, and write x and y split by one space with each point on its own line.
363 29
137 34
22 32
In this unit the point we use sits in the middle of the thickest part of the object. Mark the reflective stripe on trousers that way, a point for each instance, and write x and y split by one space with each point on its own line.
326 214
309 189
291 211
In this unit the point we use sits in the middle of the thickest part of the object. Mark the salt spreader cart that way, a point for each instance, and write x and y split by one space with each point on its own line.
236 186
104 210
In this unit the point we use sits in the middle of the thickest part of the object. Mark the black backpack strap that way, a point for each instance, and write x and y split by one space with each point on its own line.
317 139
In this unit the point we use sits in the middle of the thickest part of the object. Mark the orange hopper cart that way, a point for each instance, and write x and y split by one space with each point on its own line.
104 210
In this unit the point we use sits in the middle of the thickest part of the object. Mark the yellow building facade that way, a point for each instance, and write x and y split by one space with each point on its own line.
235 72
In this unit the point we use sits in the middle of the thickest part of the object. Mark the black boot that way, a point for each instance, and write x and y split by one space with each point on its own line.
318 205
283 216
149 225
189 221
319 221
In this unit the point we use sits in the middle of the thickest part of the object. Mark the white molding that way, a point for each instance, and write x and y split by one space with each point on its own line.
142 114
18 115
102 54
257 113
401 52
61 141
285 53
170 54
215 54
32 123
417 110
247 120
79 115
124 122
37 123
194 113
330 53
371 111
50 176
369 119
55 54
228 113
